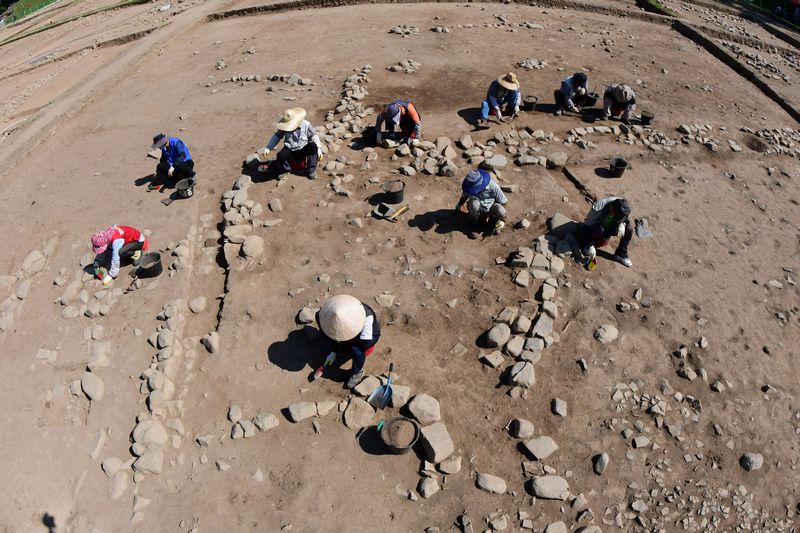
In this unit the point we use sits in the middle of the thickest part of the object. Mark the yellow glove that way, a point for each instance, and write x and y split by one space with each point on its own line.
263 154
107 280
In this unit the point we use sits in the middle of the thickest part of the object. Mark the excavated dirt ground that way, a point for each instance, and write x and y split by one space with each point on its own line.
74 162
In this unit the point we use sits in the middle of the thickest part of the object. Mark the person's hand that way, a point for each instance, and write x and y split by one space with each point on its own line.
414 142
621 230
577 109
516 110
263 154
499 113
378 137
170 171
107 280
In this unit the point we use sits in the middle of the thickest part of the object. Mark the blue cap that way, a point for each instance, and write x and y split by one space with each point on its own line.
475 182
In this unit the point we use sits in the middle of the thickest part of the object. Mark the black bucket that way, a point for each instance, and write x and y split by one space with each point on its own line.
185 188
590 99
646 118
150 265
529 103
399 450
393 191
618 166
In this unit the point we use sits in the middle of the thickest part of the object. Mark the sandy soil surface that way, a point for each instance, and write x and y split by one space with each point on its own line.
718 278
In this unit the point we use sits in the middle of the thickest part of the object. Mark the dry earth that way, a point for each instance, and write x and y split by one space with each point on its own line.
717 278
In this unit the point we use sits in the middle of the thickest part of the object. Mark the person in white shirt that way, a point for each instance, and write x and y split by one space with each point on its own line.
300 142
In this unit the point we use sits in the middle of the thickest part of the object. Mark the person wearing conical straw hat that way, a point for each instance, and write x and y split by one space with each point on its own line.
502 97
354 329
300 141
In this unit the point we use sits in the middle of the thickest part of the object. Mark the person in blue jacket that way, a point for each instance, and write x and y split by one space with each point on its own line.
570 96
502 99
176 162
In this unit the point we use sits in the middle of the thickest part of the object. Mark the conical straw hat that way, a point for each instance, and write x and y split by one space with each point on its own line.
342 317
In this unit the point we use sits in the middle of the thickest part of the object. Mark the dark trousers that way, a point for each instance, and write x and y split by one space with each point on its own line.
125 253
407 127
284 156
598 236
183 170
345 351
561 100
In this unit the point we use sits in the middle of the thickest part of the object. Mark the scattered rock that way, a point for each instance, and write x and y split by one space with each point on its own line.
428 486
606 334
498 335
540 448
92 386
521 428
751 461
358 414
265 422
559 407
302 410
234 413
253 246
491 483
437 442
197 305
550 488
425 409
599 463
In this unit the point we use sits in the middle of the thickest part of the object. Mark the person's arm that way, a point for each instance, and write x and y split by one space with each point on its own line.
517 101
116 244
569 93
499 195
414 116
629 109
274 140
181 153
461 201
313 137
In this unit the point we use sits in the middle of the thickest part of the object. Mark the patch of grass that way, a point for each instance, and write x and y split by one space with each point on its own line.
654 6
23 8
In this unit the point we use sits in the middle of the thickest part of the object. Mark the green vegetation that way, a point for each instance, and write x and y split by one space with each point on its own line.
57 23
23 8
654 6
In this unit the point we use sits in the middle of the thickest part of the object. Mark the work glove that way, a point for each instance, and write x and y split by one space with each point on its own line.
170 171
378 138
516 110
498 113
263 154
621 230
319 153
329 359
414 142
107 280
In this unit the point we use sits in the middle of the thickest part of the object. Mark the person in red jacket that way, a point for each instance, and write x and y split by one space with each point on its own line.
114 244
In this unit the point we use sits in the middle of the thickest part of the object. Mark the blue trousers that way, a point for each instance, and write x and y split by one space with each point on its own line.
505 107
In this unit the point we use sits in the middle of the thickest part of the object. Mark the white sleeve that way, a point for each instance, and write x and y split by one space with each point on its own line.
116 244
366 333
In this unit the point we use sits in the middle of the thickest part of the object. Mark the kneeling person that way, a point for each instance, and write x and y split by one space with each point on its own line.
113 245
503 97
300 141
403 114
484 201
608 218
176 162
619 100
354 329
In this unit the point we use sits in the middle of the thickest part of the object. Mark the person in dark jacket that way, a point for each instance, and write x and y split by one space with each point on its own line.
502 98
570 96
608 218
619 100
176 162
354 329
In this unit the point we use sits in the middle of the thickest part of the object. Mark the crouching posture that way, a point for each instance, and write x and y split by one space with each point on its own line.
606 219
571 95
402 114
619 100
354 330
301 145
114 245
484 201
502 99
176 162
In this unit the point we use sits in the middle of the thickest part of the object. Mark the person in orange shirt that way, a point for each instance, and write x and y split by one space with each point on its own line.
400 113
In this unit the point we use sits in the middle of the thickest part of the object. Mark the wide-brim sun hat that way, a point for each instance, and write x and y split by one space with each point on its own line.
475 182
159 141
342 317
509 81
291 119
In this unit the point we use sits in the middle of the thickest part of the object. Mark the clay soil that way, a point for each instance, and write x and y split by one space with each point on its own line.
725 225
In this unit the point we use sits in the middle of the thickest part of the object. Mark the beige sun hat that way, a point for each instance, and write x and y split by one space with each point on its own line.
291 119
509 81
342 317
